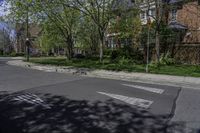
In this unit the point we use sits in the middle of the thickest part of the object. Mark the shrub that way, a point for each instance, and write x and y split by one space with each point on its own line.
108 52
124 61
115 55
197 69
154 65
166 60
13 54
79 56
19 54
132 53
1 52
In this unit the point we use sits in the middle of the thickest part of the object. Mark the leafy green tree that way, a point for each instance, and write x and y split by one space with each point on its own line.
88 37
100 12
50 37
63 18
128 25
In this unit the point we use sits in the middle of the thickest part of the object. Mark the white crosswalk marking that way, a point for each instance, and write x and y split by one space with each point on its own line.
130 100
31 98
150 89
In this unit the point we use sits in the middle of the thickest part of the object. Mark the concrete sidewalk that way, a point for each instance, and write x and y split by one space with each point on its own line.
11 58
180 81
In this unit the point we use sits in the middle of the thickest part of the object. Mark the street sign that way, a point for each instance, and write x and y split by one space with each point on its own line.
27 43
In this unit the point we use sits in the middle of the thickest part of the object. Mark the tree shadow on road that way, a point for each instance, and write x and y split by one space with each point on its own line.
78 116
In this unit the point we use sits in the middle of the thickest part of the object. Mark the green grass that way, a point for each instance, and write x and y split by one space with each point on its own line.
179 70
5 56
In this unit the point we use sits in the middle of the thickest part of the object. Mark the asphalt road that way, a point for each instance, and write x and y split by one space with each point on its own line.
34 101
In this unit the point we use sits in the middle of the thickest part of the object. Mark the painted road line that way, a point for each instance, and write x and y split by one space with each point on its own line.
130 100
150 89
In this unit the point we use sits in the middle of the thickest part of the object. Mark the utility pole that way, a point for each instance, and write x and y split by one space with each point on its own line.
27 43
148 42
158 20
148 37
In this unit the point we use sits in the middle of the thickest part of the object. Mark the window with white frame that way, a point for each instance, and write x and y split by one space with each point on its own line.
143 15
174 14
153 12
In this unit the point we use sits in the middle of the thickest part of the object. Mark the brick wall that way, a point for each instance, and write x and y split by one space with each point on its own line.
189 15
188 53
34 31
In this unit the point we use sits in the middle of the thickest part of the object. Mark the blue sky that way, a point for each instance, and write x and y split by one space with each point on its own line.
2 24
2 7
8 29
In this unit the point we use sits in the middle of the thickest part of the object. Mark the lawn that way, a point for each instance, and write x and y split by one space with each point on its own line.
179 70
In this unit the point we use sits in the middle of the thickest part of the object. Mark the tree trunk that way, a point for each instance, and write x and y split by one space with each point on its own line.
102 42
157 46
70 47
53 51
58 51
101 49
173 50
101 52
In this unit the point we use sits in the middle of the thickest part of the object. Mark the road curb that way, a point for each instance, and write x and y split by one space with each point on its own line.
178 81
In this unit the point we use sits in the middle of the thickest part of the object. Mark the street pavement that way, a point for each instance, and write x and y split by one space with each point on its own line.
33 101
179 81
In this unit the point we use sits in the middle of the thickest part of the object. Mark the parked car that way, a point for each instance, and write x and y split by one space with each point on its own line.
79 56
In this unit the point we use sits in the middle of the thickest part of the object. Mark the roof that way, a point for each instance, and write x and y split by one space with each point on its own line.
174 1
177 26
128 4
123 4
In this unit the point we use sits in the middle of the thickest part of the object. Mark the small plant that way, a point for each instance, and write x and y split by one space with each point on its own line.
166 59
155 65
20 54
107 52
197 68
13 54
115 55
1 52
123 61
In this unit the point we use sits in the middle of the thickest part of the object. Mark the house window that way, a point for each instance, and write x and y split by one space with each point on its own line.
143 1
174 14
143 15
153 12
133 1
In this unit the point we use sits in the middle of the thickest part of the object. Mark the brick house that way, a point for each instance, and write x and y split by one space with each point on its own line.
34 32
181 16
188 15
146 7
